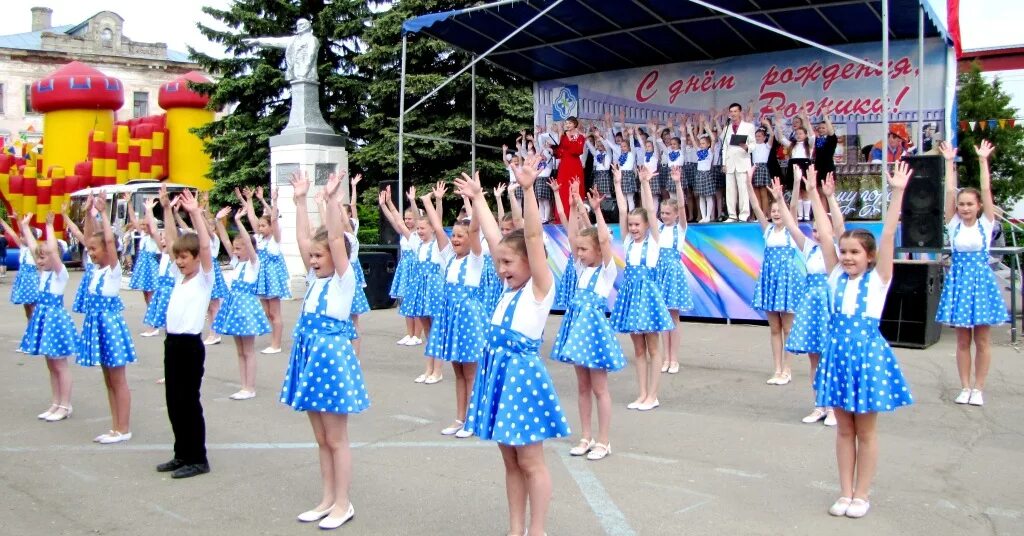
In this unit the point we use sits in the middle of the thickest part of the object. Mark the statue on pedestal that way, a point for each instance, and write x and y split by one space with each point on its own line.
300 51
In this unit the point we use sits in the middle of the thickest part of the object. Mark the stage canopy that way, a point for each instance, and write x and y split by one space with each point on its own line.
575 37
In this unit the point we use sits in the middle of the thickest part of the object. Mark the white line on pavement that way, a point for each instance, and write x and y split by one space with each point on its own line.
608 514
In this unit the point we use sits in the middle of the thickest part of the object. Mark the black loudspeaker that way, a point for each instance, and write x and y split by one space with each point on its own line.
908 319
379 268
387 232
923 203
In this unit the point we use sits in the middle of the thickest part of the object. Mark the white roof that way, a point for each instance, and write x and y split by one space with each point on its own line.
131 186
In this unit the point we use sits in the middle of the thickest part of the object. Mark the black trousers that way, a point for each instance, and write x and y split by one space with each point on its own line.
184 360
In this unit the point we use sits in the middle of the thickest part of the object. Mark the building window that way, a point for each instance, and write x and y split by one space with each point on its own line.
1 99
107 37
140 106
28 99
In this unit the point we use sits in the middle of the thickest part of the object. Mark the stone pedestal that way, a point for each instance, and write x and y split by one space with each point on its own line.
308 145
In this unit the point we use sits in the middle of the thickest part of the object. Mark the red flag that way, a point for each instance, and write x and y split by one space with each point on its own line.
953 21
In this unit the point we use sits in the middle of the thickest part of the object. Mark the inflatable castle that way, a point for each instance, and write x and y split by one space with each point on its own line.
84 146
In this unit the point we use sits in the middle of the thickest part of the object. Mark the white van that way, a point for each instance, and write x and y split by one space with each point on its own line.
139 191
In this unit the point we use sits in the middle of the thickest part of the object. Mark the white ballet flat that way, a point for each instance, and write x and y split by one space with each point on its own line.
599 452
116 437
463 433
403 341
42 416
269 350
451 430
56 416
329 522
314 515
582 448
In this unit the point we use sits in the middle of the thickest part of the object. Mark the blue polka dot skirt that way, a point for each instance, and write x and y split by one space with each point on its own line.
514 400
241 313
585 338
458 333
566 288
156 313
50 331
401 277
220 286
272 279
323 373
858 372
105 339
810 333
639 306
970 294
491 286
360 305
145 271
671 279
25 289
82 294
781 282
421 290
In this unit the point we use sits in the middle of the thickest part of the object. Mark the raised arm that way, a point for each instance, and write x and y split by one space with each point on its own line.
109 244
69 225
51 242
303 234
27 234
676 173
647 199
353 200
785 214
826 234
435 216
170 227
794 198
755 203
243 233
474 224
245 197
887 245
382 201
467 186
335 230
559 209
984 151
829 190
533 230
498 192
222 232
513 203
949 153
190 204
10 231
620 199
604 235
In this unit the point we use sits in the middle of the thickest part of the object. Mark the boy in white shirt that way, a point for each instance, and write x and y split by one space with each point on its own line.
184 352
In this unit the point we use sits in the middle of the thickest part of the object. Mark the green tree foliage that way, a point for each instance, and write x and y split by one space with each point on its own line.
504 104
979 100
251 79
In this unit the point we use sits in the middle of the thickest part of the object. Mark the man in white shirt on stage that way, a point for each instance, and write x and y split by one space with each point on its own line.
738 136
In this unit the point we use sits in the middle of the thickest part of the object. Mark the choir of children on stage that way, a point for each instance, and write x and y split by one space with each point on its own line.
479 299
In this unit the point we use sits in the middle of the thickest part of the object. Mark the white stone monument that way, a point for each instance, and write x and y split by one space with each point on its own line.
307 144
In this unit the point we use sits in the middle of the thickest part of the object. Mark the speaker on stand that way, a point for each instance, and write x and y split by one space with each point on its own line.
908 319
923 212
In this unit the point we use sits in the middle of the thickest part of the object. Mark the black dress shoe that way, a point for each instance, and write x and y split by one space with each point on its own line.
172 465
191 470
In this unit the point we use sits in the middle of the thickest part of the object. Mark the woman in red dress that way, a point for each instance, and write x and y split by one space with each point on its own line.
570 148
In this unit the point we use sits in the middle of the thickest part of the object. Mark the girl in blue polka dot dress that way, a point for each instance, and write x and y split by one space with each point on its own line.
640 308
324 377
272 279
514 401
971 301
145 269
50 331
458 333
106 340
670 272
78 304
566 287
585 338
859 375
241 315
156 311
25 290
780 284
810 333
420 294
408 242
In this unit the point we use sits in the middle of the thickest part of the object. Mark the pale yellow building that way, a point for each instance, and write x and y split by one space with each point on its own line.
98 41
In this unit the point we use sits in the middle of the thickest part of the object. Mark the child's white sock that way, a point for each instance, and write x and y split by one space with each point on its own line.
805 208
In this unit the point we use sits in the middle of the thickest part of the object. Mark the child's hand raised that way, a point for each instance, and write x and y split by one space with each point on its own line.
900 176
828 188
300 184
947 150
527 174
594 198
223 212
467 186
776 189
985 149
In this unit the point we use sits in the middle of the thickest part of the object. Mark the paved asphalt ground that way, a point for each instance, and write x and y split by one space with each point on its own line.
725 453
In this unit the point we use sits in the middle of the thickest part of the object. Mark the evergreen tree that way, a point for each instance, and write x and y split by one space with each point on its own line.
979 100
251 80
504 104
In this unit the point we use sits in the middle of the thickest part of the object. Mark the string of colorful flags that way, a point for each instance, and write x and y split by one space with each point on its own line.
990 124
